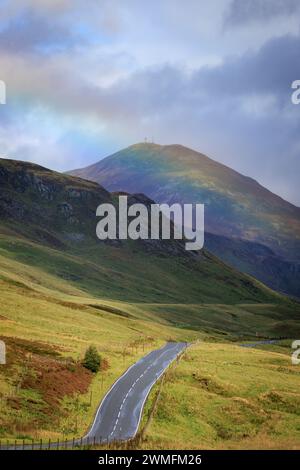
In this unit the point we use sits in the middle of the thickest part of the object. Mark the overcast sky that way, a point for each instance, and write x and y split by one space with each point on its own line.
85 78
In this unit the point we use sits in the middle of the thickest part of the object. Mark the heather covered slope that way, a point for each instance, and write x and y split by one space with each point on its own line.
237 207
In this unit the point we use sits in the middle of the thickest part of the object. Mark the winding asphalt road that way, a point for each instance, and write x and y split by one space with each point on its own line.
120 411
119 414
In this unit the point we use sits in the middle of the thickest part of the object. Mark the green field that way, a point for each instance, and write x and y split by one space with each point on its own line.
223 396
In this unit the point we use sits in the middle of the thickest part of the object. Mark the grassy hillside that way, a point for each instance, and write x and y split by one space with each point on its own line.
203 297
49 222
223 396
237 208
44 391
62 290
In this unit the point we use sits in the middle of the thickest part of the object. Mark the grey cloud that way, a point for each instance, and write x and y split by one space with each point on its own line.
241 12
271 70
268 72
162 90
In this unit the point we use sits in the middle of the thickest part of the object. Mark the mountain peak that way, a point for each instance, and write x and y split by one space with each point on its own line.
174 173
155 146
145 146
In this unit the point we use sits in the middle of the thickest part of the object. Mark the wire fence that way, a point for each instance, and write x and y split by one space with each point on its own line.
67 444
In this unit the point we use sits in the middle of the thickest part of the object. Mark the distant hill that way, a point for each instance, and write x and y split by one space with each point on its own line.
48 229
247 226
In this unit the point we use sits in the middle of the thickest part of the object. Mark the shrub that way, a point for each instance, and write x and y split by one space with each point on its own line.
92 359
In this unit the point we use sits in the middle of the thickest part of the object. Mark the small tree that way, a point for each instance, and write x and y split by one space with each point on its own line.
92 359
